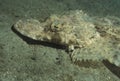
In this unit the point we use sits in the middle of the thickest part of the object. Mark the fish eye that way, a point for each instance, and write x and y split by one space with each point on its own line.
56 27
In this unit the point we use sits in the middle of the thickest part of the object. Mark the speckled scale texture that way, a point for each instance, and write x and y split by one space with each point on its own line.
86 38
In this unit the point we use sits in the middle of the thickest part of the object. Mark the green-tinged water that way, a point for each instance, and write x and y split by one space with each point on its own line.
33 61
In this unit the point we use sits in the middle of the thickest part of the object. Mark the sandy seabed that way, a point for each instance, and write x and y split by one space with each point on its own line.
21 61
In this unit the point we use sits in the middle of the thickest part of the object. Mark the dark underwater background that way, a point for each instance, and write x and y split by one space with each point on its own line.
21 61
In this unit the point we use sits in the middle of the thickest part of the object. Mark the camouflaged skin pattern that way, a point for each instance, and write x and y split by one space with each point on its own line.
84 37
